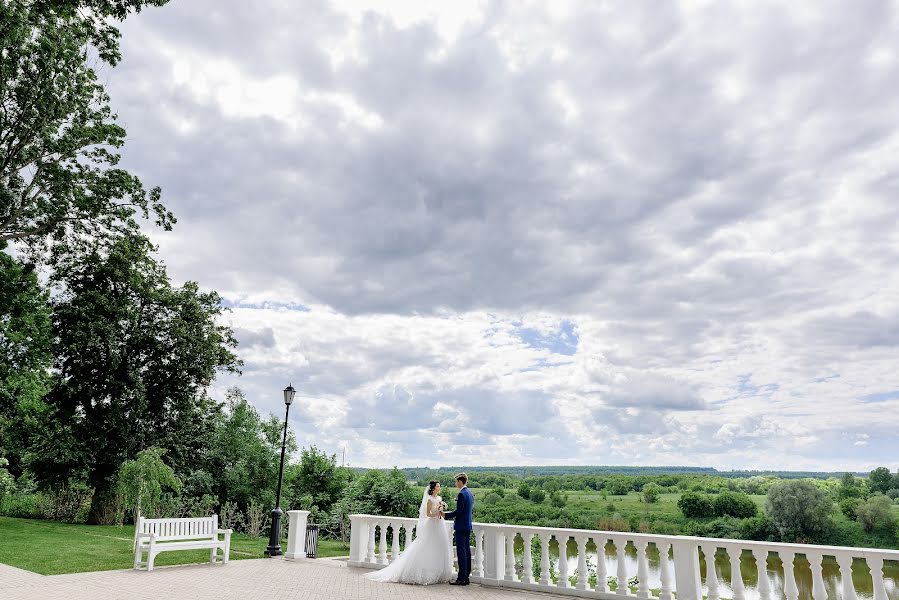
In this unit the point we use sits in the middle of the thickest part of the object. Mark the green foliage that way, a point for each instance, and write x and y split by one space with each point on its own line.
537 496
799 511
492 498
558 500
694 505
501 492
318 476
7 482
141 481
851 487
876 512
758 528
736 505
618 486
848 506
892 493
880 480
524 490
651 492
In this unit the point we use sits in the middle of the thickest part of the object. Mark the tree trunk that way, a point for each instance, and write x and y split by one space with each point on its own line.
103 508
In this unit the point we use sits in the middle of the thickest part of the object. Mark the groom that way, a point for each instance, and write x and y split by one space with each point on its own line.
462 528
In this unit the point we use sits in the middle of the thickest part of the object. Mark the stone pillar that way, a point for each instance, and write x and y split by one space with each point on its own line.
296 534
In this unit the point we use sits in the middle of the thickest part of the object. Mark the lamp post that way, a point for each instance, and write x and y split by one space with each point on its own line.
274 539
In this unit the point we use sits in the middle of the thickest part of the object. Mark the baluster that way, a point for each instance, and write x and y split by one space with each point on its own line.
544 558
395 548
510 556
734 553
582 563
643 570
478 566
382 545
664 571
370 551
875 563
845 562
527 571
761 567
791 591
563 562
621 571
601 575
711 577
819 592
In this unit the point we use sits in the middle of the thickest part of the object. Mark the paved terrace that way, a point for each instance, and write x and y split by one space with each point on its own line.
262 579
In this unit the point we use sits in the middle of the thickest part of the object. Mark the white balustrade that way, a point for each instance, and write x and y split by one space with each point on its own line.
495 559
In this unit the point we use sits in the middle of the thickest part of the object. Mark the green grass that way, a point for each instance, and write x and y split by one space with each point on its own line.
52 548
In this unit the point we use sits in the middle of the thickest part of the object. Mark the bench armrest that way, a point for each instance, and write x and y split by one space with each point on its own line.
224 531
146 535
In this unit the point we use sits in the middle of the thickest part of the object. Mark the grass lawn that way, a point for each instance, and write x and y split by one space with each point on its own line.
52 548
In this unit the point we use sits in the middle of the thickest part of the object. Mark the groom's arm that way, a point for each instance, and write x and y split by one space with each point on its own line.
461 502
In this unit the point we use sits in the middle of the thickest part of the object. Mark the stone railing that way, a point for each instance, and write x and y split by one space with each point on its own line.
682 566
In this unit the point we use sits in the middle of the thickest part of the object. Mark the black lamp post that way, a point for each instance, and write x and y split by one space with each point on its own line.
274 540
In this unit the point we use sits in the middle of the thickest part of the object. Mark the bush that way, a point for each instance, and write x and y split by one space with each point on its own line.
614 523
799 511
758 528
492 498
537 496
893 493
557 500
524 490
694 505
618 486
848 506
875 513
730 504
499 492
651 492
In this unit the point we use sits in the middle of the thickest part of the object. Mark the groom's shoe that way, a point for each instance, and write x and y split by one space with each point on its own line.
458 582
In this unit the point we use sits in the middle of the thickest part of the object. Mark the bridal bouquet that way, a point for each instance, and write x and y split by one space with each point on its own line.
443 506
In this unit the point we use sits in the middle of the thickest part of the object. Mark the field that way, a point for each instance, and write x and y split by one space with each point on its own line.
52 548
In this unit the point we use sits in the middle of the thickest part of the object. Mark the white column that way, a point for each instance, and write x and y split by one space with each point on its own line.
358 536
845 562
544 559
563 562
819 592
370 551
736 575
382 544
621 571
527 571
642 570
788 557
686 570
761 568
493 554
664 571
711 577
582 563
875 563
296 534
478 566
395 546
510 555
601 574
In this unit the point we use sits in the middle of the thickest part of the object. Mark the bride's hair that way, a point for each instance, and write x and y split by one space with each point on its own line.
431 486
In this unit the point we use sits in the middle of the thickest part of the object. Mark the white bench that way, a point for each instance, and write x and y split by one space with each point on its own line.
162 535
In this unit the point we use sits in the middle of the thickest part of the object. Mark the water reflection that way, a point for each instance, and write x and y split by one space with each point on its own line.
861 575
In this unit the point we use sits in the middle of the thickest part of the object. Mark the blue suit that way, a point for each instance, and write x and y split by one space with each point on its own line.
462 531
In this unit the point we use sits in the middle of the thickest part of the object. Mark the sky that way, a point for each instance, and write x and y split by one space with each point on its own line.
508 233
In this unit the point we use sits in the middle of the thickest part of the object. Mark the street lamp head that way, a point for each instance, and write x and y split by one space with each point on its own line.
289 393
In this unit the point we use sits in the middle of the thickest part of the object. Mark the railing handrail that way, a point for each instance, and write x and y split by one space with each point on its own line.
804 549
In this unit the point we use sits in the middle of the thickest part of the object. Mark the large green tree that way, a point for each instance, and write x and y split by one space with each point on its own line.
134 356
25 337
59 176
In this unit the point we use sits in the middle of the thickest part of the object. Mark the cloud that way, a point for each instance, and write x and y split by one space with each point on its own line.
519 227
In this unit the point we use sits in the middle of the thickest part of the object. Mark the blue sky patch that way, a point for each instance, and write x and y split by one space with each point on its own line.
564 341
881 397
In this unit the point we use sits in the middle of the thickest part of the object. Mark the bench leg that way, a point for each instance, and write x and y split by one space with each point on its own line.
150 558
137 556
212 555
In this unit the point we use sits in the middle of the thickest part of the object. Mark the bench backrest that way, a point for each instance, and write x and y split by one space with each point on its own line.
179 529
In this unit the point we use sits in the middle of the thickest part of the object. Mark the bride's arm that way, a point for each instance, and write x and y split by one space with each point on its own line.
435 513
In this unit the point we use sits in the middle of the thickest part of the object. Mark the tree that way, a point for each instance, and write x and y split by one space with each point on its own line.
537 496
875 512
736 505
651 492
26 331
7 482
694 505
618 485
850 487
134 356
317 475
524 490
799 511
141 481
880 480
59 179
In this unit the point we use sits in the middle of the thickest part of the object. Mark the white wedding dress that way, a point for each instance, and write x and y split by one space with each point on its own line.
429 558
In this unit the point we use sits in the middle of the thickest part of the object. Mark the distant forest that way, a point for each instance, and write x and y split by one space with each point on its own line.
420 473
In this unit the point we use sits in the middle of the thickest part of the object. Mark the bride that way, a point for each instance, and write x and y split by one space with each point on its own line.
429 558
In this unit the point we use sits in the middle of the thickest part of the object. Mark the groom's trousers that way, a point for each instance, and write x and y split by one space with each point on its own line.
463 554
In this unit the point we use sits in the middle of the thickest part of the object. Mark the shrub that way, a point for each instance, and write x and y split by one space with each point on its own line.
893 493
537 496
799 511
499 492
618 486
730 504
848 506
651 492
613 523
524 490
694 505
875 513
757 528
256 519
230 517
491 498
557 500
